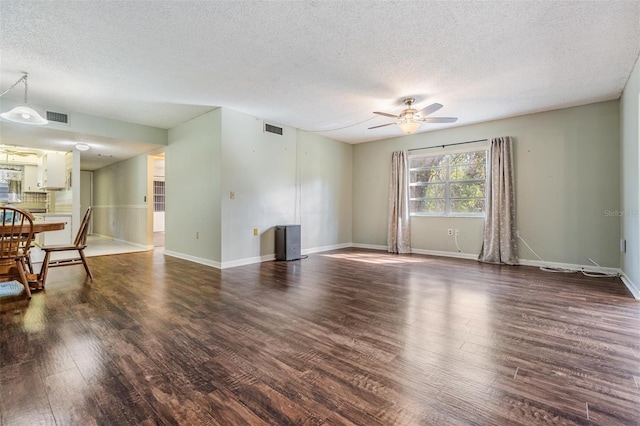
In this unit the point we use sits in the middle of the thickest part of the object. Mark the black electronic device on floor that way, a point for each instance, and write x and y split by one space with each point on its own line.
288 242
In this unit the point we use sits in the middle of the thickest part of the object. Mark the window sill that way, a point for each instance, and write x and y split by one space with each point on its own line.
476 216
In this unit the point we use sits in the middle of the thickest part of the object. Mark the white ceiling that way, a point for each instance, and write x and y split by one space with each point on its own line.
317 65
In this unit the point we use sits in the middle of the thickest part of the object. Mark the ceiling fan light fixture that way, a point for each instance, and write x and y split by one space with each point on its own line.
409 126
23 114
411 119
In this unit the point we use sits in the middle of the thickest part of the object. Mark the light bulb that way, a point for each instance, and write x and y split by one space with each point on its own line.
409 127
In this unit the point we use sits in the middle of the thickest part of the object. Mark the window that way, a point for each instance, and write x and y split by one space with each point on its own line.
158 195
448 185
11 184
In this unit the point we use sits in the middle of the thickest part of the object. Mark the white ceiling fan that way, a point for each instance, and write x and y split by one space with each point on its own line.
19 151
410 118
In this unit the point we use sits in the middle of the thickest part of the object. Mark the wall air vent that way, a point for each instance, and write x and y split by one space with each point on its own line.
57 117
272 129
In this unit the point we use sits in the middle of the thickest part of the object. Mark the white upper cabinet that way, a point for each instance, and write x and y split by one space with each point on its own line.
54 167
32 182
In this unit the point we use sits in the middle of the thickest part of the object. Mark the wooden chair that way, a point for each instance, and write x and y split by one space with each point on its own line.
79 244
16 234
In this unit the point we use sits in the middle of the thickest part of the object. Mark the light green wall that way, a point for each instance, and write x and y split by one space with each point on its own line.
120 209
275 180
293 178
567 175
193 178
260 168
630 206
123 183
326 191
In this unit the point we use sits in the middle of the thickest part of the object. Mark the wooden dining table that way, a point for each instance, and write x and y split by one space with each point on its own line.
41 226
35 280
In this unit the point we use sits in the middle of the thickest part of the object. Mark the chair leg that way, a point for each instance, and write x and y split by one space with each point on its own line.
29 264
85 264
45 269
23 277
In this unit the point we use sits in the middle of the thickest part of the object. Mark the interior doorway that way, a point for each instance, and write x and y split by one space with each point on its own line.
86 194
158 199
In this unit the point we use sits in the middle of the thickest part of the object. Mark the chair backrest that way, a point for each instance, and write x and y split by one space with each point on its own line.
16 234
81 236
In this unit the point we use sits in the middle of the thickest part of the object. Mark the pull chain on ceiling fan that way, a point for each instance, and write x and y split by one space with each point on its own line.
411 119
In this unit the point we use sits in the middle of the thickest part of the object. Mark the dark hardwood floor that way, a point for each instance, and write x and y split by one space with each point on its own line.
343 337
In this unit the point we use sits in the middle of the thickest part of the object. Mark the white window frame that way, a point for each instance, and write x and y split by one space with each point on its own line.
159 195
444 151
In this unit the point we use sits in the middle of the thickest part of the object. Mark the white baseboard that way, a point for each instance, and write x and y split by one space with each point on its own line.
571 266
633 288
195 259
248 261
219 265
326 248
369 246
270 257
458 255
421 251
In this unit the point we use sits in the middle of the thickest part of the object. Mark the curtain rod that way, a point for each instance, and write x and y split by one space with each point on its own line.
449 144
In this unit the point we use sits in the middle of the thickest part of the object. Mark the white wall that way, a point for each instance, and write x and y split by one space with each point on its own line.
326 191
567 175
120 209
193 176
86 195
158 221
294 178
630 205
260 168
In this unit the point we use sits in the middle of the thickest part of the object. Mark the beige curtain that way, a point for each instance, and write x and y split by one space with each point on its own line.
499 244
399 233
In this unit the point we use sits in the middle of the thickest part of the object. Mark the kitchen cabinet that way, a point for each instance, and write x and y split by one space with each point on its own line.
31 182
54 170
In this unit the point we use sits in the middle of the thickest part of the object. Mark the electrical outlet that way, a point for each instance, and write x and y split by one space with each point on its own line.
457 232
232 195
450 231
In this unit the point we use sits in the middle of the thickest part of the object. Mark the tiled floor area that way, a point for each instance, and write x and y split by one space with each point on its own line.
99 246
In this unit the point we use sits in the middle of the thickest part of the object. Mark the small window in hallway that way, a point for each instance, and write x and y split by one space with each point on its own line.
158 195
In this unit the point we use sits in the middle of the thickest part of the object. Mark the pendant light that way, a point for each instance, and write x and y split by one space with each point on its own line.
23 114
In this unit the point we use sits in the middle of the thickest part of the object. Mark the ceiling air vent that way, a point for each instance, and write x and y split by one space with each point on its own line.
57 117
272 129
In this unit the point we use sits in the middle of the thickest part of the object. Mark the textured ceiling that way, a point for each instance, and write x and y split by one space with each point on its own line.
318 65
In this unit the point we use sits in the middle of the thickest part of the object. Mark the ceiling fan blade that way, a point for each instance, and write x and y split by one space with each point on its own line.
382 125
439 120
386 114
430 109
